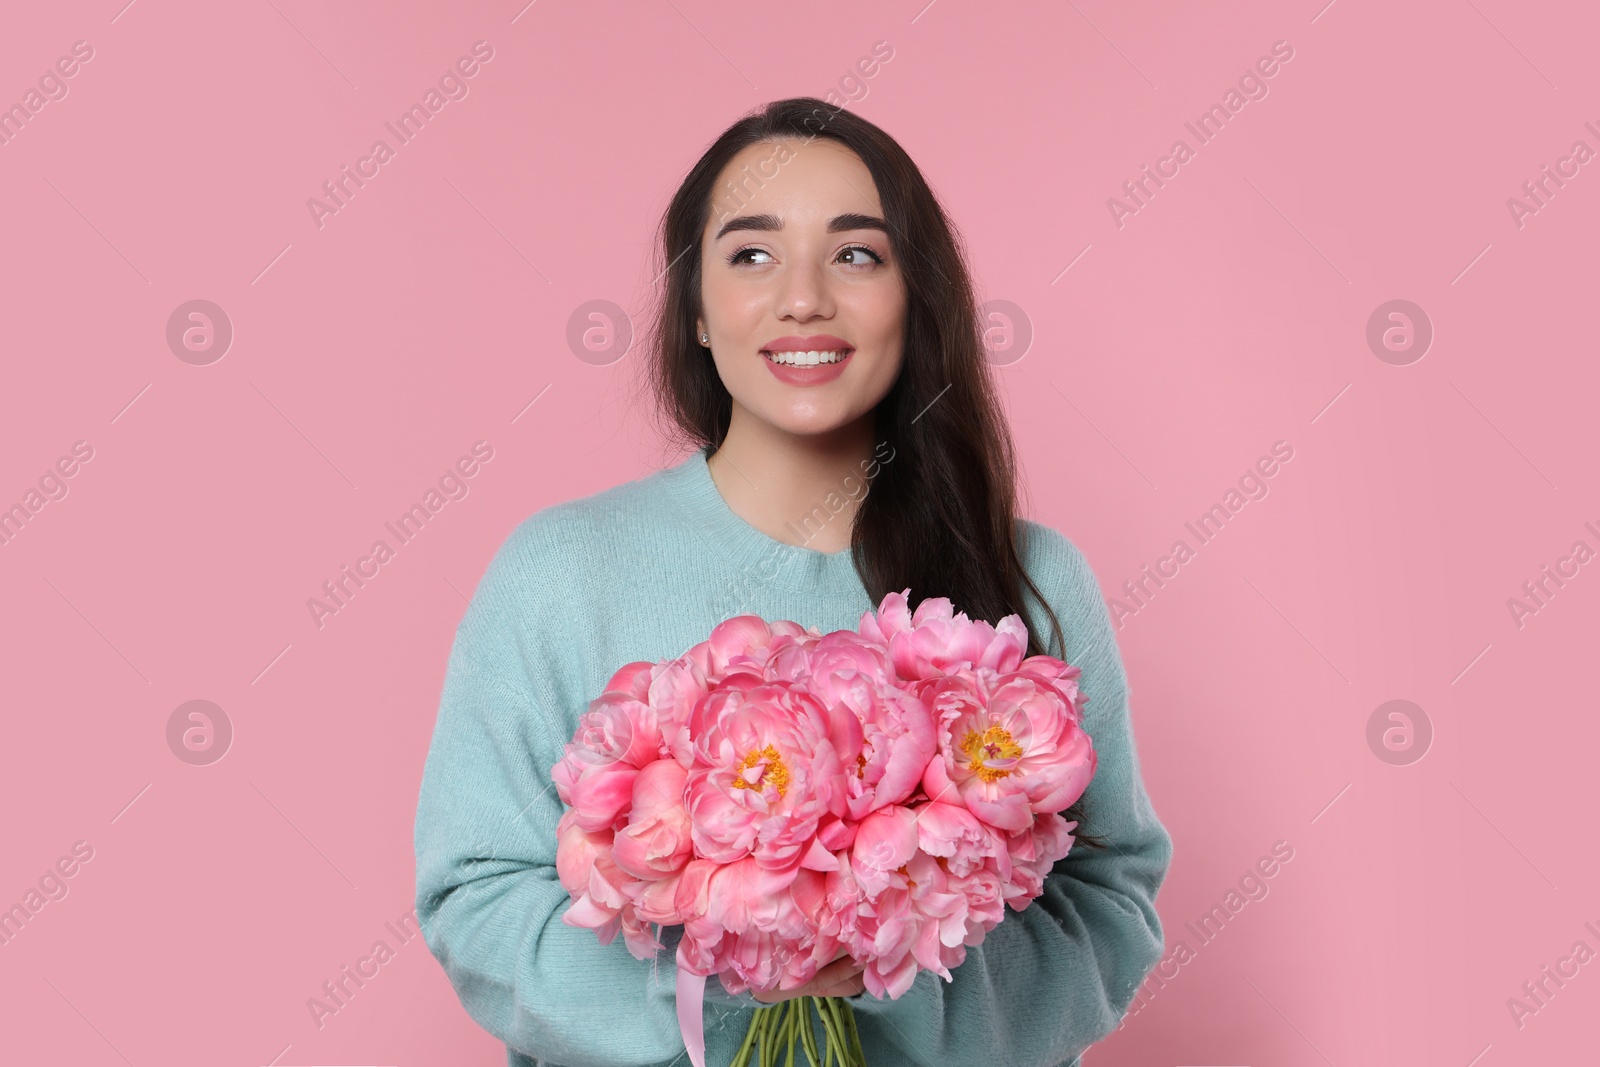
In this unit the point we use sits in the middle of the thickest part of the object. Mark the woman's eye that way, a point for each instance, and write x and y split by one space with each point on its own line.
858 253
852 255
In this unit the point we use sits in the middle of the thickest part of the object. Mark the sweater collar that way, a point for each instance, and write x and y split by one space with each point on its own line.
765 559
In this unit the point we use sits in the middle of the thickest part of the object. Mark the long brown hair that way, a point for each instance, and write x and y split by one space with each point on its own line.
941 519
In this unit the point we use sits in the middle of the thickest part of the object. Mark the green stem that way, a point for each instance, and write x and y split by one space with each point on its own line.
836 1039
775 1033
791 1028
768 1053
849 1014
808 1035
850 1053
742 1057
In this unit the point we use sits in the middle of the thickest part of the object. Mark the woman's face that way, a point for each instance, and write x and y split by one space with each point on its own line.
802 264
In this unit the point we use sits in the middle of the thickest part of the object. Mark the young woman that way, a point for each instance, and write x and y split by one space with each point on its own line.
818 347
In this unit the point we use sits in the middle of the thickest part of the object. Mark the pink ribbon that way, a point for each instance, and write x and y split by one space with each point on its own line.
691 1016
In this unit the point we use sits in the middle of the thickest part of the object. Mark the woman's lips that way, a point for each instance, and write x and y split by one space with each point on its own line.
815 374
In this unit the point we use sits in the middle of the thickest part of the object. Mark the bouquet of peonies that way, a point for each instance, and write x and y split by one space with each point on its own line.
792 797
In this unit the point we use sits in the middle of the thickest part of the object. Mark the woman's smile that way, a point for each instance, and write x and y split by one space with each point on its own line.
809 360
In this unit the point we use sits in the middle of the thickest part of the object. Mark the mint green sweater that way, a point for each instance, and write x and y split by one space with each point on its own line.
643 571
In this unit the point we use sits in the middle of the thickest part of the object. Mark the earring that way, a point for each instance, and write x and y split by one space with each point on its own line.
704 339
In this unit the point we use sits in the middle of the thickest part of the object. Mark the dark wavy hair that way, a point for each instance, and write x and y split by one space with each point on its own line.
941 518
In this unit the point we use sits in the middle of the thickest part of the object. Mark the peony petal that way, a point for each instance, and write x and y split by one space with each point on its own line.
885 840
601 794
818 858
584 912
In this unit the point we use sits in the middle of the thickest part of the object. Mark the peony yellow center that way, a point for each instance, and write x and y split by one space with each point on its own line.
772 771
993 744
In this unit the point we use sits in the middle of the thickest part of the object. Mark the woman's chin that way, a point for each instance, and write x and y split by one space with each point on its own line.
810 425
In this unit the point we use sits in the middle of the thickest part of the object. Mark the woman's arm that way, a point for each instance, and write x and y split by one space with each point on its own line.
488 896
1053 979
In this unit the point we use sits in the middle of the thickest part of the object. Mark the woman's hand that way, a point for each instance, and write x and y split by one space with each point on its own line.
841 978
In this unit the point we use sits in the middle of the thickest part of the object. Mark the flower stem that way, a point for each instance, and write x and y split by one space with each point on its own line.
742 1057
769 1050
791 1027
850 1052
836 1043
808 1036
849 1014
775 1032
776 1028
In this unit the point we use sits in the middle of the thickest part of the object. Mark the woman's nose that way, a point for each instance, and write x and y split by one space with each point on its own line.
803 293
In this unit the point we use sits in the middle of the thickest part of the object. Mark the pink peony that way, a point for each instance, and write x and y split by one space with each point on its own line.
846 654
1030 854
588 871
616 736
750 924
955 835
656 842
913 924
675 688
984 894
1009 746
743 643
931 641
656 900
632 679
598 792
890 732
885 842
766 773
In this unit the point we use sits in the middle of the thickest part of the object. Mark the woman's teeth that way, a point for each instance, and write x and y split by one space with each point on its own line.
804 359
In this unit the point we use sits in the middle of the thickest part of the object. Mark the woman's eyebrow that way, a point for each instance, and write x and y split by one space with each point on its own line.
837 224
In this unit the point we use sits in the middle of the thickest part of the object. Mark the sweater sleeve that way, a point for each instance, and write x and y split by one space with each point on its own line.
1053 979
488 896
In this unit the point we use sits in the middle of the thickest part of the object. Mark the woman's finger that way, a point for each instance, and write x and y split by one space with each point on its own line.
840 968
841 978
839 981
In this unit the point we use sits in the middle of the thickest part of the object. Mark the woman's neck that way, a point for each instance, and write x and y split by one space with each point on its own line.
801 490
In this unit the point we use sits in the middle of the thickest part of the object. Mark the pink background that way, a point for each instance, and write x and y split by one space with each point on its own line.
1229 313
